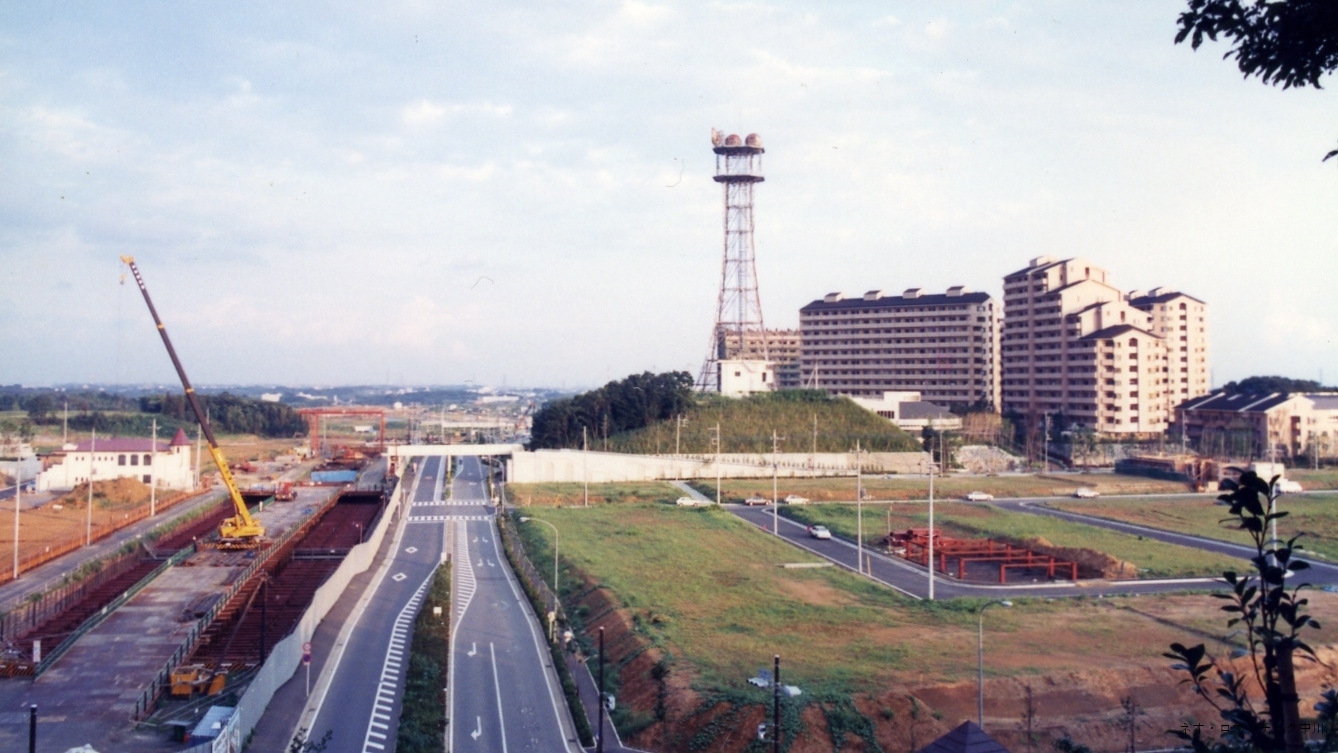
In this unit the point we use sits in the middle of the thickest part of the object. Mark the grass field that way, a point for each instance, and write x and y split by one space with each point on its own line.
917 487
1313 515
1153 559
708 588
568 494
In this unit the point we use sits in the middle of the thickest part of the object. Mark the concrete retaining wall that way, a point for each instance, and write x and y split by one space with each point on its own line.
597 467
286 656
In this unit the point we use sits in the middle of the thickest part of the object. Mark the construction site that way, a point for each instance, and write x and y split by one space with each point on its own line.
978 560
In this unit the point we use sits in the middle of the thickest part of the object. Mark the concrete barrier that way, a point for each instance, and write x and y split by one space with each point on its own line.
601 467
286 656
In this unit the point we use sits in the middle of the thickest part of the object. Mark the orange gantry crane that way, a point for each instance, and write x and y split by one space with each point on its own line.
241 531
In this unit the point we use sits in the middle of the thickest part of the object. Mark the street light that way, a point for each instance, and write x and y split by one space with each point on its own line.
527 519
980 661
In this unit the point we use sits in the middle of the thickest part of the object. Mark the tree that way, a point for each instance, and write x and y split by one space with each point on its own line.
1272 620
1272 384
1287 42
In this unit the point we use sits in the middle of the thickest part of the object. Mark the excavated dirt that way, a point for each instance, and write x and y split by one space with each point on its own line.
1091 563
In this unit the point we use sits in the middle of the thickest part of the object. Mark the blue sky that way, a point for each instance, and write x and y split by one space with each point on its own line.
414 192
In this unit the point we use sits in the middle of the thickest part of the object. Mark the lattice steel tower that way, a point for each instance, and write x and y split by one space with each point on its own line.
738 332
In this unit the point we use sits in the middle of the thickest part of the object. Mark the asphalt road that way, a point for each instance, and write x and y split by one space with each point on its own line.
362 706
505 696
913 580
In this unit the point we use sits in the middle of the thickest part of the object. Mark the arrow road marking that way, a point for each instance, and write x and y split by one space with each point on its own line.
491 564
473 649
478 727
480 563
397 577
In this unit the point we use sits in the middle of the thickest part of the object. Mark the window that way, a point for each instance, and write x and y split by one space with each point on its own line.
120 459
147 478
134 460
148 460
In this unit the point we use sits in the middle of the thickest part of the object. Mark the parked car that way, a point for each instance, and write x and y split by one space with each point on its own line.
979 497
1086 492
795 499
692 502
819 532
756 500
1288 486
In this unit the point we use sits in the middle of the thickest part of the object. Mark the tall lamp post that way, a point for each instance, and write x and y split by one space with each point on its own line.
980 661
527 519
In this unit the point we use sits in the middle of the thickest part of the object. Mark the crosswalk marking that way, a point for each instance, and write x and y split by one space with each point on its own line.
444 518
454 503
387 686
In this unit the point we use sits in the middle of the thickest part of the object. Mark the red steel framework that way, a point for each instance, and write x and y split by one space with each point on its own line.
966 552
314 415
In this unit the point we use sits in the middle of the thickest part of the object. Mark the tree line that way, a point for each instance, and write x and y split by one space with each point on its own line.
625 405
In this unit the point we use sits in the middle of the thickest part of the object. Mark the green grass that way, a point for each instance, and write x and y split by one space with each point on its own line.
897 487
1324 478
708 589
746 425
1314 516
567 494
422 724
1154 559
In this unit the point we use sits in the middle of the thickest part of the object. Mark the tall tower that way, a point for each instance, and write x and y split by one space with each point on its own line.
738 332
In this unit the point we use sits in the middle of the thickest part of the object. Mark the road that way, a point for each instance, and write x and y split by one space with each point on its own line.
361 706
913 580
505 696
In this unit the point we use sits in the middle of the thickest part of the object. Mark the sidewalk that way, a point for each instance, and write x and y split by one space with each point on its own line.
589 692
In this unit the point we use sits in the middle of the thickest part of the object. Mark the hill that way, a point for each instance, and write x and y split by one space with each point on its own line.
746 425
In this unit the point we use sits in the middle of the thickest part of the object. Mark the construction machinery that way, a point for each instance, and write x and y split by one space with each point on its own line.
240 531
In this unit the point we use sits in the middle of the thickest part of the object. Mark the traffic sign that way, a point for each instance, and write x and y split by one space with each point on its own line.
306 659
306 653
306 647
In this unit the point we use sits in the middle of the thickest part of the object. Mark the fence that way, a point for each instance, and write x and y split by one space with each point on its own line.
147 697
286 656
29 615
525 569
106 611
99 532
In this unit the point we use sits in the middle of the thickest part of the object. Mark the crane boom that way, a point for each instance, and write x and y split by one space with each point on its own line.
241 529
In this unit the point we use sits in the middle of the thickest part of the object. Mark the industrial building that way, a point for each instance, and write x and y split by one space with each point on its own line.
942 345
782 352
168 464
1076 347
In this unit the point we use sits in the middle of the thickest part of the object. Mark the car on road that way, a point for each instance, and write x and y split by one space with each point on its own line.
691 502
756 500
819 532
979 497
1086 492
795 499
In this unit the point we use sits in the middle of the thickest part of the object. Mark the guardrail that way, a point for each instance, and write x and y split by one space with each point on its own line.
107 610
150 693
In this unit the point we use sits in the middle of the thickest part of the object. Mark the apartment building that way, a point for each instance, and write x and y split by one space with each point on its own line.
1262 425
1182 322
782 352
1075 346
942 345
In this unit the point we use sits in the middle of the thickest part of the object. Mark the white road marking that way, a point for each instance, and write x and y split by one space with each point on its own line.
397 577
497 684
411 549
478 727
385 691
473 649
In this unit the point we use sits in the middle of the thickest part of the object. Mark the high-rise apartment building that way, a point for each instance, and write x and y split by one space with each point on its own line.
1076 347
1182 321
941 345
782 351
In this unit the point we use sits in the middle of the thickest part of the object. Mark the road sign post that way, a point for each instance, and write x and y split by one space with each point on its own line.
306 662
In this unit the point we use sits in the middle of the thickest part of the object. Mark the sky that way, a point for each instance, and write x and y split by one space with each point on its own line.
513 193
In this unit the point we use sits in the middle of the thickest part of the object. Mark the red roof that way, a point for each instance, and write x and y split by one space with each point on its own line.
121 444
180 439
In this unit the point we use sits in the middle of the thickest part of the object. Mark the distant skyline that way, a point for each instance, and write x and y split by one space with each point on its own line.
410 193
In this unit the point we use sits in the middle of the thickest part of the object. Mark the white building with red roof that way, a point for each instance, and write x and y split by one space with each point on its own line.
168 465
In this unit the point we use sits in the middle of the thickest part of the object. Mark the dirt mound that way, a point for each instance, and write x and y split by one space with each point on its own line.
114 494
1091 563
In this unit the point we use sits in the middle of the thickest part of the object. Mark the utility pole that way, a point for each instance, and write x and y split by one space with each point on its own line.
65 431
585 463
153 477
775 496
88 525
775 713
18 493
1045 445
678 433
717 462
197 454
859 505
931 528
599 736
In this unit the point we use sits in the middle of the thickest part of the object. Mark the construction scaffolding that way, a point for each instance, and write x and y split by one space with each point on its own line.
318 429
975 559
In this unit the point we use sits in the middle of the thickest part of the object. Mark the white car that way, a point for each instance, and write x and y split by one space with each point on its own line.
691 502
756 500
795 499
819 532
1086 492
979 497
